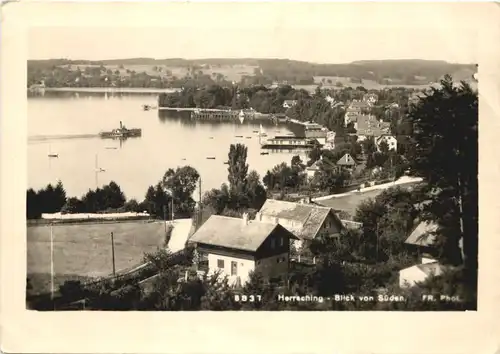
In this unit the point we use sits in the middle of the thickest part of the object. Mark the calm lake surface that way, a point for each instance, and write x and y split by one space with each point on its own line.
168 141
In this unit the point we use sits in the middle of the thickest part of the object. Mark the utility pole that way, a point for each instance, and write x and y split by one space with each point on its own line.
51 263
165 217
113 253
199 206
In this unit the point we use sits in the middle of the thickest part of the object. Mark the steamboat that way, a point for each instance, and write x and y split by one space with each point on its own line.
121 133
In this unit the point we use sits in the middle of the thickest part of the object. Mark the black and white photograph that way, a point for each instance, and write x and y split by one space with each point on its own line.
252 168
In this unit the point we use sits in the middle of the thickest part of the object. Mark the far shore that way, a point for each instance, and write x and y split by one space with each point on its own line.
110 89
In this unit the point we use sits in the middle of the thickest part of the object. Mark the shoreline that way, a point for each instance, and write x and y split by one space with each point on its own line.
109 90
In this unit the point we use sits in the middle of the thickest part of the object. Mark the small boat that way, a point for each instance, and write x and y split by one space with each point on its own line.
184 159
256 131
226 162
249 137
52 154
111 147
211 137
146 107
210 158
238 136
264 153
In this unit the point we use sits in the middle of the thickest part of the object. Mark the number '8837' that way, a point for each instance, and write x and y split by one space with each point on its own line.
247 298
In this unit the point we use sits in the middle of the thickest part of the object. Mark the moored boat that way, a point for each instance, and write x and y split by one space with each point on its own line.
289 142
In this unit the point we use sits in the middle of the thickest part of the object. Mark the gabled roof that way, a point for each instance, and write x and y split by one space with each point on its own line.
423 235
346 160
224 231
317 165
310 216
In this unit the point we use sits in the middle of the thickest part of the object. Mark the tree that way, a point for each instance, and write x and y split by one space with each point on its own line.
73 205
256 191
237 166
445 153
181 183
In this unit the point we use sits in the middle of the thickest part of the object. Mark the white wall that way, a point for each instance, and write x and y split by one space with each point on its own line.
408 277
245 266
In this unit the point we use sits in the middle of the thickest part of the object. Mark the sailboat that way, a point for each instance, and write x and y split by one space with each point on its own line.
51 154
262 132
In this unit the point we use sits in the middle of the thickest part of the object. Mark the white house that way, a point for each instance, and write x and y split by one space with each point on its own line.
370 98
235 247
289 103
390 140
411 276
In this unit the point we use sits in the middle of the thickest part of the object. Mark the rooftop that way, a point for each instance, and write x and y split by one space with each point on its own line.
310 216
233 233
370 126
423 234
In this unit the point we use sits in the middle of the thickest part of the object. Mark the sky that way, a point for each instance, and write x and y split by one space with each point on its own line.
320 32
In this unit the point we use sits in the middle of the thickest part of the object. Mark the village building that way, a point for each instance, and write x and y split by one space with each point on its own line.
347 161
368 126
370 98
422 240
391 141
289 103
235 247
316 167
355 109
305 220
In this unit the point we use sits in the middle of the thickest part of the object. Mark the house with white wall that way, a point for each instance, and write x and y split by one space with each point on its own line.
235 247
423 240
289 103
305 221
390 140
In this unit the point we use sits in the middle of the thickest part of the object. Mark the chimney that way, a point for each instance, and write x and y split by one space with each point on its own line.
245 218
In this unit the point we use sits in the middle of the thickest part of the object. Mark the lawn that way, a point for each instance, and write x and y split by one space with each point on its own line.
350 202
84 250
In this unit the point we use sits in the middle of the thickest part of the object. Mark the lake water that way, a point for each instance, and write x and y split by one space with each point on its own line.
167 141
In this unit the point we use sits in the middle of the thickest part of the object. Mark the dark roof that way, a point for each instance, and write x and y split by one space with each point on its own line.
423 234
234 233
309 216
316 166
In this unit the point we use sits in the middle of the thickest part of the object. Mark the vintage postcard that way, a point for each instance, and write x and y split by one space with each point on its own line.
247 157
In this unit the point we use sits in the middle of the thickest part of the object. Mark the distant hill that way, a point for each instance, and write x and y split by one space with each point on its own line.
405 71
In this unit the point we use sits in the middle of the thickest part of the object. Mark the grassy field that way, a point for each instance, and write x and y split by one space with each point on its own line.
84 250
349 203
230 72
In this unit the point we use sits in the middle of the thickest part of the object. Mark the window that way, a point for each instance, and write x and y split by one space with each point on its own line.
234 268
220 263
282 241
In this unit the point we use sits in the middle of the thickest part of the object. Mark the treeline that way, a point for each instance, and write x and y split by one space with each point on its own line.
71 75
173 191
407 72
